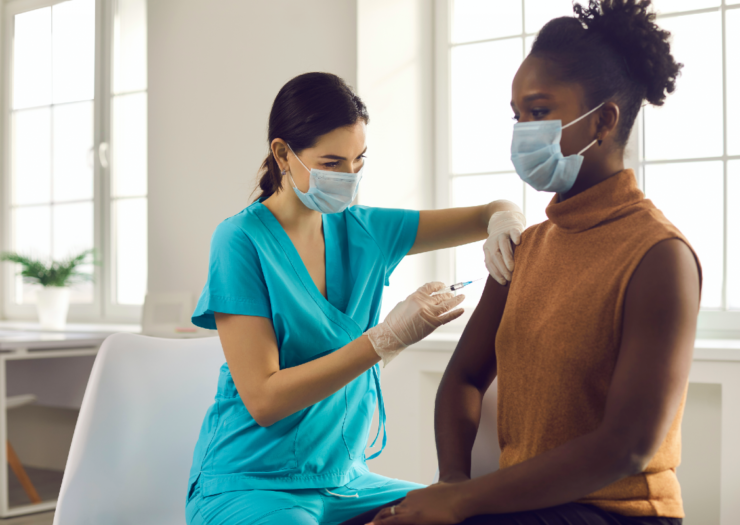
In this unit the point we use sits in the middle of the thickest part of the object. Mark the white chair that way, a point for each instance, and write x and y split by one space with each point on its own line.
485 454
138 424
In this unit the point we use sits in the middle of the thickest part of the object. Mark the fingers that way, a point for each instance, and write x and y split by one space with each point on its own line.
430 288
447 305
497 260
493 271
507 252
516 236
450 316
441 297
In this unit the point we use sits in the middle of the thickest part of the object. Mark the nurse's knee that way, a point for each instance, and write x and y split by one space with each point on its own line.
294 516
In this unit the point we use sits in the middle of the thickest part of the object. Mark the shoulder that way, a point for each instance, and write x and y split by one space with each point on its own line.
237 230
668 268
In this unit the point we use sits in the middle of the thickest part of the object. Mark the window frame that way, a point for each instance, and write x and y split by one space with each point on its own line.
713 323
103 307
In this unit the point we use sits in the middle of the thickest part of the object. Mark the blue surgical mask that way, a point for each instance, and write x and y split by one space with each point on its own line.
328 191
536 155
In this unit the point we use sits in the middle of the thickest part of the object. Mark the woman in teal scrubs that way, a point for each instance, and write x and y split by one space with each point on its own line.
294 289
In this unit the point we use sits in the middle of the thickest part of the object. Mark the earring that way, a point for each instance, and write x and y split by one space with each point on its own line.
599 141
282 173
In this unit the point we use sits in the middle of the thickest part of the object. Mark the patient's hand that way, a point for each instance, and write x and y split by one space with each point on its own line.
439 504
504 228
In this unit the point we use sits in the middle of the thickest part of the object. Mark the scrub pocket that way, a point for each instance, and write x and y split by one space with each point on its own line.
361 400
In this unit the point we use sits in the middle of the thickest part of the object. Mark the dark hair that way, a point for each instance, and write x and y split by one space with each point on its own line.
307 107
614 49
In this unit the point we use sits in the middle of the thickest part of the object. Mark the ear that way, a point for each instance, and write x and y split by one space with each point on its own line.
608 121
280 151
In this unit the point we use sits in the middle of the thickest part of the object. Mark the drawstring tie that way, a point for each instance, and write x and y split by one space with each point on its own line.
381 415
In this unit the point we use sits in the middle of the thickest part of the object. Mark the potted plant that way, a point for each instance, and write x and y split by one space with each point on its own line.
52 301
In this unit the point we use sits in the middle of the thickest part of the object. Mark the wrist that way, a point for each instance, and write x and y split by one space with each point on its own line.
453 477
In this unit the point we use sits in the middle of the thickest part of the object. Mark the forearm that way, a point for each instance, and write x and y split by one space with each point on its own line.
292 389
456 419
561 475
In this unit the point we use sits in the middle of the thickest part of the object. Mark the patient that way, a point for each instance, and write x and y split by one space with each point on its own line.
592 341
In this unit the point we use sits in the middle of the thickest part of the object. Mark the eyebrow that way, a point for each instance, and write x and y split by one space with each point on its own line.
337 157
534 96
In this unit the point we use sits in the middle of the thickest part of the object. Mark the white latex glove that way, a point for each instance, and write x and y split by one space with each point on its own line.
504 227
413 319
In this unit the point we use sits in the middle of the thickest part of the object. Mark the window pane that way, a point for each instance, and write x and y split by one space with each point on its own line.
537 202
481 115
31 156
733 234
675 6
131 250
697 101
472 191
32 59
74 50
73 142
129 145
73 234
482 19
31 237
691 197
129 46
539 12
732 25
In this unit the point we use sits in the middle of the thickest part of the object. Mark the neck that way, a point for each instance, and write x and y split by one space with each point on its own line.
588 178
292 215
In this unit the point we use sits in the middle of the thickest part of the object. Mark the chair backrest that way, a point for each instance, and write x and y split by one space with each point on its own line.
486 452
136 432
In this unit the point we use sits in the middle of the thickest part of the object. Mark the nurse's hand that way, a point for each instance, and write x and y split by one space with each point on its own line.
504 227
411 320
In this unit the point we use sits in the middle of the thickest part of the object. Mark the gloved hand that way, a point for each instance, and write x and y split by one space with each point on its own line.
413 319
504 227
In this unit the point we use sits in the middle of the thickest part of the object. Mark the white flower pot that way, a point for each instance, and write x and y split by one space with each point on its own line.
52 303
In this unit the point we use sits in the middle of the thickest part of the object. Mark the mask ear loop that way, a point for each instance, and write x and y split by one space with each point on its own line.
570 123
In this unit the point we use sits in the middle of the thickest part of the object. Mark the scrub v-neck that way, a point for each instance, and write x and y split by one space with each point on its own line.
334 269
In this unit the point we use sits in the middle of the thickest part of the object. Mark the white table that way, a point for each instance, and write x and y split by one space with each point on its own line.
33 356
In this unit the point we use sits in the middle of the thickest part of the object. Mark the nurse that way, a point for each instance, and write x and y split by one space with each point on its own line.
294 289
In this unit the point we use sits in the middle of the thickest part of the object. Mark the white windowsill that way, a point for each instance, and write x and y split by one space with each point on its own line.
72 327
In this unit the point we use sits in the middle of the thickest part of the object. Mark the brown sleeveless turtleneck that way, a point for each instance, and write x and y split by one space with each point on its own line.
559 338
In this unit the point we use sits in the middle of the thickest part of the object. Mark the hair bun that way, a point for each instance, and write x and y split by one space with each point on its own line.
629 27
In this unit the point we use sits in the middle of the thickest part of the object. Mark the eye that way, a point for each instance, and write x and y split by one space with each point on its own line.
331 164
539 113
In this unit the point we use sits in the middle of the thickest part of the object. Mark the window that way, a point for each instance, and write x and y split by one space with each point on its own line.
687 154
75 166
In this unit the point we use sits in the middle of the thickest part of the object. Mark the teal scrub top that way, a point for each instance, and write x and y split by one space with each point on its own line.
255 270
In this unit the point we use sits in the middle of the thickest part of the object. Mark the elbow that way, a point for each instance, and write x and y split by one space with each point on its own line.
630 455
262 413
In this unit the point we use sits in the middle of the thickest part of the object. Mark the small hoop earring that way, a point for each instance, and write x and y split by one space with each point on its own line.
282 173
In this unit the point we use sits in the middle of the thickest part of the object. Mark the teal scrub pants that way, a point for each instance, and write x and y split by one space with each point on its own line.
329 506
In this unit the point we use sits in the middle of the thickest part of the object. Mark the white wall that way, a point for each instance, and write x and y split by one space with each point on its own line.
394 78
214 69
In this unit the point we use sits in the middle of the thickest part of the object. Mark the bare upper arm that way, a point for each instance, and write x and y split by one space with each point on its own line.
659 328
474 359
251 352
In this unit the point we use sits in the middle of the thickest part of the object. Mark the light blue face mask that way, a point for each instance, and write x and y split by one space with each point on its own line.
328 191
536 155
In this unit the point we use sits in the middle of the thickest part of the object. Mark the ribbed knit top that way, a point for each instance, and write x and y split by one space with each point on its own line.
559 339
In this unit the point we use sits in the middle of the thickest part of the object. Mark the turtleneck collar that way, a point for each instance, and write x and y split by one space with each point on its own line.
605 201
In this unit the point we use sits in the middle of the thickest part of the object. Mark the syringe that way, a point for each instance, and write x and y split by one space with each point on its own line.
460 285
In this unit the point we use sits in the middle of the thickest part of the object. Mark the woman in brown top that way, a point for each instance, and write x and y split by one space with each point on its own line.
592 341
